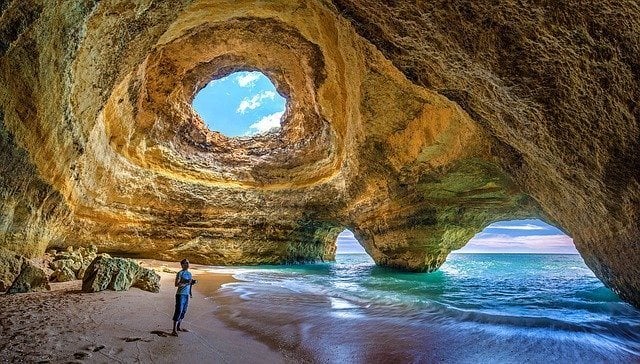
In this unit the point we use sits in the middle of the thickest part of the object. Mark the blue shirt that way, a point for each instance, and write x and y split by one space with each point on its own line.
184 276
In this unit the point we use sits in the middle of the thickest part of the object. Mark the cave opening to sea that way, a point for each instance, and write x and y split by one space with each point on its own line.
529 236
349 251
347 243
241 104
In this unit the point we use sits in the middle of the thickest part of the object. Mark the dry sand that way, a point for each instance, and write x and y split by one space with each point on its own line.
66 325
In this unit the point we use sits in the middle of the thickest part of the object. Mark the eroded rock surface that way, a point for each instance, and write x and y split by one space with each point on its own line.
413 125
31 279
71 264
555 84
10 265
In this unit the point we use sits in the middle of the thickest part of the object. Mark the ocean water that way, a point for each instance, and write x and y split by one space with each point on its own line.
477 308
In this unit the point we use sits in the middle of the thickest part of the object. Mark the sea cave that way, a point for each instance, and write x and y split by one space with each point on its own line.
413 125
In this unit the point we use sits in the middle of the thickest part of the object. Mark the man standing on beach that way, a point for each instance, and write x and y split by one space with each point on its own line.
183 282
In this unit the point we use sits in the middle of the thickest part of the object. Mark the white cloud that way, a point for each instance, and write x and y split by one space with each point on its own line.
247 80
517 227
255 101
266 124
346 234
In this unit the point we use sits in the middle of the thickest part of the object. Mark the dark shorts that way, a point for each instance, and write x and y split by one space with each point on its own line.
182 301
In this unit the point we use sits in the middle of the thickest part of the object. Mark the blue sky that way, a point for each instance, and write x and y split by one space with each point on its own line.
515 236
241 104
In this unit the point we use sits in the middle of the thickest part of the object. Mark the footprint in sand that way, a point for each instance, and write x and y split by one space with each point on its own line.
95 348
82 355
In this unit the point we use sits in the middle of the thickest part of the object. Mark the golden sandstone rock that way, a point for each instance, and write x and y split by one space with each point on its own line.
415 126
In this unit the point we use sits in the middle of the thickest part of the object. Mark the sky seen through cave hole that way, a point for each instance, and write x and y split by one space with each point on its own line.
514 236
242 104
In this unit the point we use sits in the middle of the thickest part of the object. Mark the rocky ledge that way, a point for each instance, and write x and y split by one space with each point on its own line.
415 126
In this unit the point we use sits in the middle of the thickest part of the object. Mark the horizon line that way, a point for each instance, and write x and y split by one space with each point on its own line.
455 252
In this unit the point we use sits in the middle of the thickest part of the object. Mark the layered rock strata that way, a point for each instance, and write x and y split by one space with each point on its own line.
413 125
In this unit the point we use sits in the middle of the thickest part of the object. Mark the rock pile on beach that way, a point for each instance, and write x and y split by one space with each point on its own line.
71 264
118 274
98 272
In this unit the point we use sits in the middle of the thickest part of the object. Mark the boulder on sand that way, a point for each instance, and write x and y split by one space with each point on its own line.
118 274
30 279
70 264
63 274
10 265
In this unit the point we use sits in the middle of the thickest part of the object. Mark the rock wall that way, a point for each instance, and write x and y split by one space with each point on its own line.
414 126
32 213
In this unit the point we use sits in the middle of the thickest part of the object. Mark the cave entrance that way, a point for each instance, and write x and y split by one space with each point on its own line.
346 243
242 104
349 251
523 269
532 236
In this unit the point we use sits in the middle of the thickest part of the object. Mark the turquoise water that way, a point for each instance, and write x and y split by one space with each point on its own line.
476 308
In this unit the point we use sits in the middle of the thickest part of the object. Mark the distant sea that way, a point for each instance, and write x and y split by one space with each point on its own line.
477 308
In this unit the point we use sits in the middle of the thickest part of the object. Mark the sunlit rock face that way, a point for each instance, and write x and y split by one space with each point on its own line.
415 127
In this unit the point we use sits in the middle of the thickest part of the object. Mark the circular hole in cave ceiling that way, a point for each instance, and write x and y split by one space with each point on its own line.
242 104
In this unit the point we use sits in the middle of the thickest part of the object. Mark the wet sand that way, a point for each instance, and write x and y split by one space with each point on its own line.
259 324
293 326
320 324
66 325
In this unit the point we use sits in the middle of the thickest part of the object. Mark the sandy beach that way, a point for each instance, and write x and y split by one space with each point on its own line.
347 312
66 325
